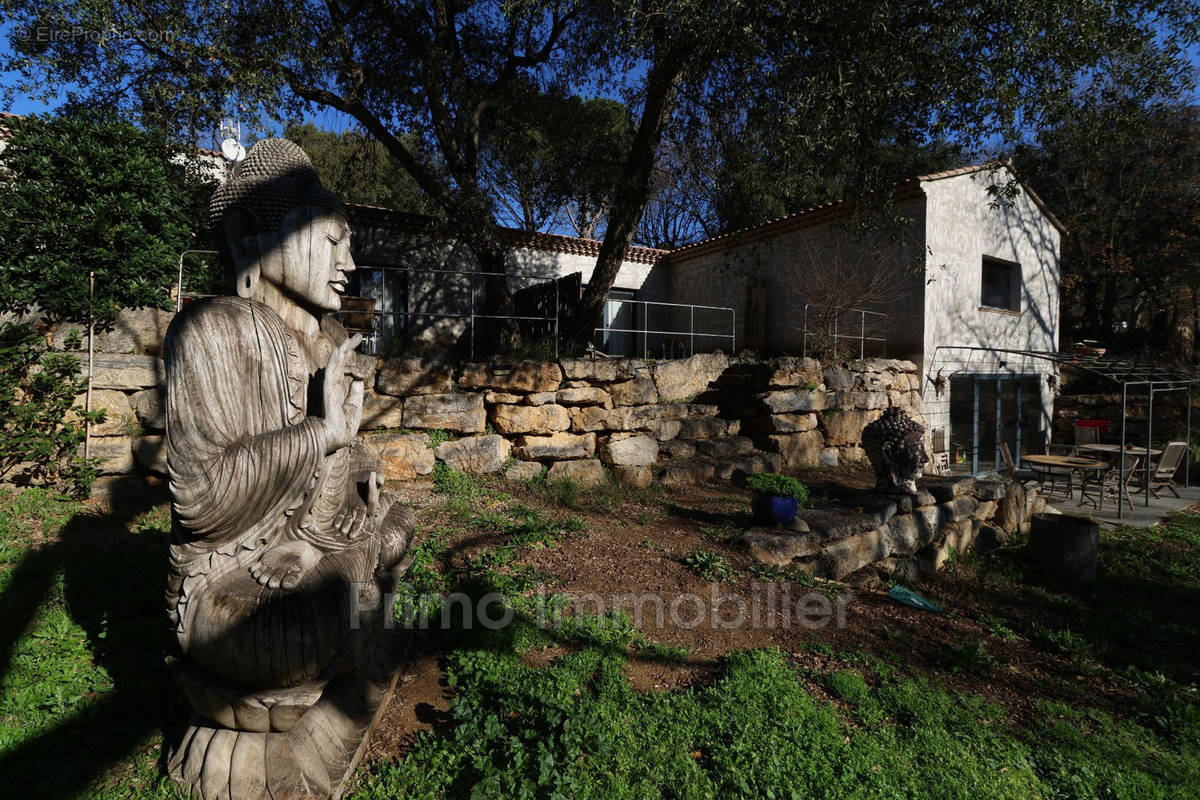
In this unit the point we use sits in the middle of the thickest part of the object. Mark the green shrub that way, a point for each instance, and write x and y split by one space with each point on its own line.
564 492
437 437
91 192
709 565
39 442
779 485
971 657
457 485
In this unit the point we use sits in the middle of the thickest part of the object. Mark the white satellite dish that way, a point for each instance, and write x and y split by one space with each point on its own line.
232 150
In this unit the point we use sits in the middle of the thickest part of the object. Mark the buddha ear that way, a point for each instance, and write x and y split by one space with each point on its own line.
239 226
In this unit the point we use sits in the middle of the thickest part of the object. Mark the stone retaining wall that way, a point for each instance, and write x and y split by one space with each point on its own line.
1170 414
678 422
884 536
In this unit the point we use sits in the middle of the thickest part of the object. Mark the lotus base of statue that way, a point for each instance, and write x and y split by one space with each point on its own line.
300 742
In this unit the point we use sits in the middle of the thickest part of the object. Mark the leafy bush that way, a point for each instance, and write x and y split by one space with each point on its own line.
93 193
42 431
563 492
779 485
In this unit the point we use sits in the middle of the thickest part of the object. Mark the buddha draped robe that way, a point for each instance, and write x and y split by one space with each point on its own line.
248 470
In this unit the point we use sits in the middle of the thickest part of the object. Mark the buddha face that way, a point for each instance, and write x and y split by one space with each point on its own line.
315 245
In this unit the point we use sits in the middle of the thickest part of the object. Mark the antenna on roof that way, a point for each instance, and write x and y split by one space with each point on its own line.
231 142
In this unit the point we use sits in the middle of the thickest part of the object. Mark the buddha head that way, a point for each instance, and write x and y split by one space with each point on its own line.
280 232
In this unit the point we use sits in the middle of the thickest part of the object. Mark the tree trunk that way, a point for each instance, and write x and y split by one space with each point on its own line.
1183 327
1108 309
635 190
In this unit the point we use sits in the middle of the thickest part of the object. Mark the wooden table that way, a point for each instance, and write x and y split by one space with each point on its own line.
1115 449
1087 467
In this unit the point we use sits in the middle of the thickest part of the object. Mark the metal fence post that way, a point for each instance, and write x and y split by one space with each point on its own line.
472 313
645 325
556 329
1149 433
1187 461
692 334
862 335
804 341
732 331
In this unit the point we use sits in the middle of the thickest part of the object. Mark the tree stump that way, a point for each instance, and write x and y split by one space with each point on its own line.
1065 548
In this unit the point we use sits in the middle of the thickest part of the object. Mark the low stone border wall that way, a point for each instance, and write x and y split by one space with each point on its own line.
891 534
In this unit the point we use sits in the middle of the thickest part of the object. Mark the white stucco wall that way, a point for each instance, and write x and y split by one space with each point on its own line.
779 262
964 223
434 296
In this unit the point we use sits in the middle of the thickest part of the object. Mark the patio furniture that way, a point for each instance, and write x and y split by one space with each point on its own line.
1021 476
1087 467
1111 450
1111 481
1163 473
1085 435
1062 474
941 456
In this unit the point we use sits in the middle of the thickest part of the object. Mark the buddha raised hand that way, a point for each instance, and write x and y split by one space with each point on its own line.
278 514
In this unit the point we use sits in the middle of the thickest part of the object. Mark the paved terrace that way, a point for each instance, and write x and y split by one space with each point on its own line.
1142 515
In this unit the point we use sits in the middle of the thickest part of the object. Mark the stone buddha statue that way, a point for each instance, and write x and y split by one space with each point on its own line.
279 523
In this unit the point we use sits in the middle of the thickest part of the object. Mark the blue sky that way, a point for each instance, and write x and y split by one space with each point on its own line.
327 119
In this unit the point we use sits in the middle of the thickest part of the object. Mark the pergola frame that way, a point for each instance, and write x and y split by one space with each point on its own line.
1128 373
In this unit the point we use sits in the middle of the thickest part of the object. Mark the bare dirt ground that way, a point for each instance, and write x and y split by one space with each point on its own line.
637 543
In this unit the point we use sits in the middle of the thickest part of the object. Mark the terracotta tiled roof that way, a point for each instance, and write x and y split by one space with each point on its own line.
967 170
551 242
5 117
830 212
817 215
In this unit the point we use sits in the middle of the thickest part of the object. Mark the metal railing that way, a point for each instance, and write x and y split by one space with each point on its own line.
861 336
669 344
371 340
675 340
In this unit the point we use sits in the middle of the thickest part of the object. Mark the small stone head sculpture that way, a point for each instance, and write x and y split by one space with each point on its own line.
280 232
895 446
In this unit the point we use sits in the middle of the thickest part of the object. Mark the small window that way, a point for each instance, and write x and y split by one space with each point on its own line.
1001 284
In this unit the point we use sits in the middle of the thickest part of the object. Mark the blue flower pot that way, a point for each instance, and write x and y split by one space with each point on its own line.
771 509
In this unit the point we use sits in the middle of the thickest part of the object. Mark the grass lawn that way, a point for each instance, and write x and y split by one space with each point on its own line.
1018 691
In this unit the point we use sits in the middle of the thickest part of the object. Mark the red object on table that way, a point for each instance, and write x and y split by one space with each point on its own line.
1102 424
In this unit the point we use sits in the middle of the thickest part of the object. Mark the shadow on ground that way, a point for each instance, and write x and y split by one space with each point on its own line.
113 572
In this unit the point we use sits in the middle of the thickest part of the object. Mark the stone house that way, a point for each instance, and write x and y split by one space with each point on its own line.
966 293
970 291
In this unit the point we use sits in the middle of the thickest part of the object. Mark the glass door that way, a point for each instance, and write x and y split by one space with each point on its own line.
619 321
986 411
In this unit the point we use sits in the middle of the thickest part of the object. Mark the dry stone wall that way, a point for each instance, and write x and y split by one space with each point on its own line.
881 537
679 422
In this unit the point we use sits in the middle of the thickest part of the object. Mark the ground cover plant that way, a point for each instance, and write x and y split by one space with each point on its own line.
769 483
1017 691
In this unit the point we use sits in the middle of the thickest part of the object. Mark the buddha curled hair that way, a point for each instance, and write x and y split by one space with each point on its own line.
275 177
